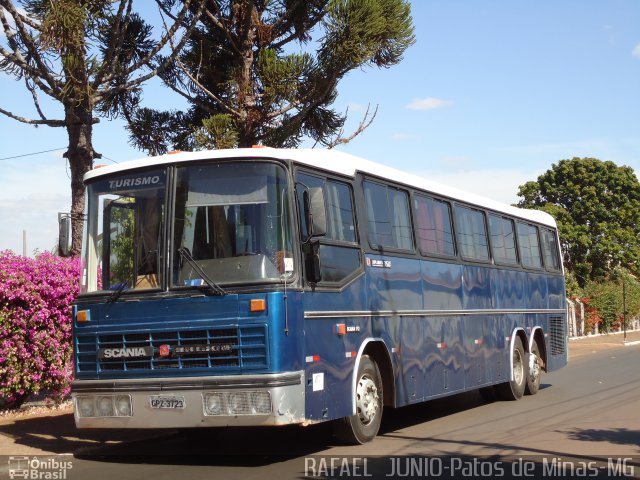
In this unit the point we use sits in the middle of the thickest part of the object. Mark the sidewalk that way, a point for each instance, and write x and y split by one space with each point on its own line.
581 346
42 430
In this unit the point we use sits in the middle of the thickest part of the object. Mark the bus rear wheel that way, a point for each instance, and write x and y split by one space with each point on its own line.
363 426
514 389
534 370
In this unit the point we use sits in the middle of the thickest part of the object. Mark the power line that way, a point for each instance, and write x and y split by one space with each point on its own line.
45 151
107 158
29 154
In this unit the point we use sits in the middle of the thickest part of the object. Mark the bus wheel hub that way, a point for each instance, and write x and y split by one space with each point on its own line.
518 367
366 399
534 366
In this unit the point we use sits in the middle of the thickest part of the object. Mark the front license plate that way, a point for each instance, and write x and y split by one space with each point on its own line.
161 401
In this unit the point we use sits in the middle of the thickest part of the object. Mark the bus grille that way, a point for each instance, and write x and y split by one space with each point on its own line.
557 335
231 347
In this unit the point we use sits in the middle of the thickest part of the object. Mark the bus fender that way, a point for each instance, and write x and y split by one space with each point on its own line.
518 331
541 344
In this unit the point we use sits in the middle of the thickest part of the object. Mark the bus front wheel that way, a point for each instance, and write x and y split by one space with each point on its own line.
363 426
514 389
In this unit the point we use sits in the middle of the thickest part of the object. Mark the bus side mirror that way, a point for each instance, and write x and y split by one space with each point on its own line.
314 212
64 234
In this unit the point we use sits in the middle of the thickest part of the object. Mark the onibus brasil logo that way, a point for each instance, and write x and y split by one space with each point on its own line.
50 468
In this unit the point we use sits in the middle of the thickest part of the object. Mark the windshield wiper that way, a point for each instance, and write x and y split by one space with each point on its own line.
115 295
213 286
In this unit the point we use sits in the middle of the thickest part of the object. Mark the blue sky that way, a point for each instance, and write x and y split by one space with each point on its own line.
490 96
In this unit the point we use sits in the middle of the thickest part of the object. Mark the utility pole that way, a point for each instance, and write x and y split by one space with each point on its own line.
24 243
624 307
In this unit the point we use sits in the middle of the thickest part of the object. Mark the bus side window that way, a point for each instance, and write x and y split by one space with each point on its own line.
529 245
388 217
503 241
472 233
550 250
433 224
340 223
338 250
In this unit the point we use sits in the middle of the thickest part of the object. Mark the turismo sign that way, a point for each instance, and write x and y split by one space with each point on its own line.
138 181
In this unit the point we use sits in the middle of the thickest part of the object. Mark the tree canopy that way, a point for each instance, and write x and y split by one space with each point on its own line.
89 56
597 207
260 71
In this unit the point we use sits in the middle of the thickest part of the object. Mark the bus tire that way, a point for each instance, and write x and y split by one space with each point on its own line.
363 426
534 370
514 389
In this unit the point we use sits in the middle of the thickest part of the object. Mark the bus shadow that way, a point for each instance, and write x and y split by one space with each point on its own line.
397 419
225 446
57 434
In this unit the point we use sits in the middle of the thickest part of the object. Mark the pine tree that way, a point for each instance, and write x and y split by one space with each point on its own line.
90 56
266 72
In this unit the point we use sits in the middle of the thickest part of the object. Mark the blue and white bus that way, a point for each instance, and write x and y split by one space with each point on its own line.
272 287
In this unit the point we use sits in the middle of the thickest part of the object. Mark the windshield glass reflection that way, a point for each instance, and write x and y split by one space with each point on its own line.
232 219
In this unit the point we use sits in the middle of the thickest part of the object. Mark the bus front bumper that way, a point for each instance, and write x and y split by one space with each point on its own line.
239 400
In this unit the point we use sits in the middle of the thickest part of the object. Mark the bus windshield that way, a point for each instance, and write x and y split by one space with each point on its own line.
231 224
123 240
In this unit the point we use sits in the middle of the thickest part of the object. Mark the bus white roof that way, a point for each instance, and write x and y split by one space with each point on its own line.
331 161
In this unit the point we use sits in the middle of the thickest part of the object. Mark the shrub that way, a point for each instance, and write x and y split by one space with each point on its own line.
35 326
606 301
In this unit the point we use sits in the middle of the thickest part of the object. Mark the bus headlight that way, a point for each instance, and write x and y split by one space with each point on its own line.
214 404
105 406
123 405
96 406
261 402
237 402
85 406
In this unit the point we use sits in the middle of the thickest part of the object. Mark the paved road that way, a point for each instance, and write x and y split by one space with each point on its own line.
590 408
